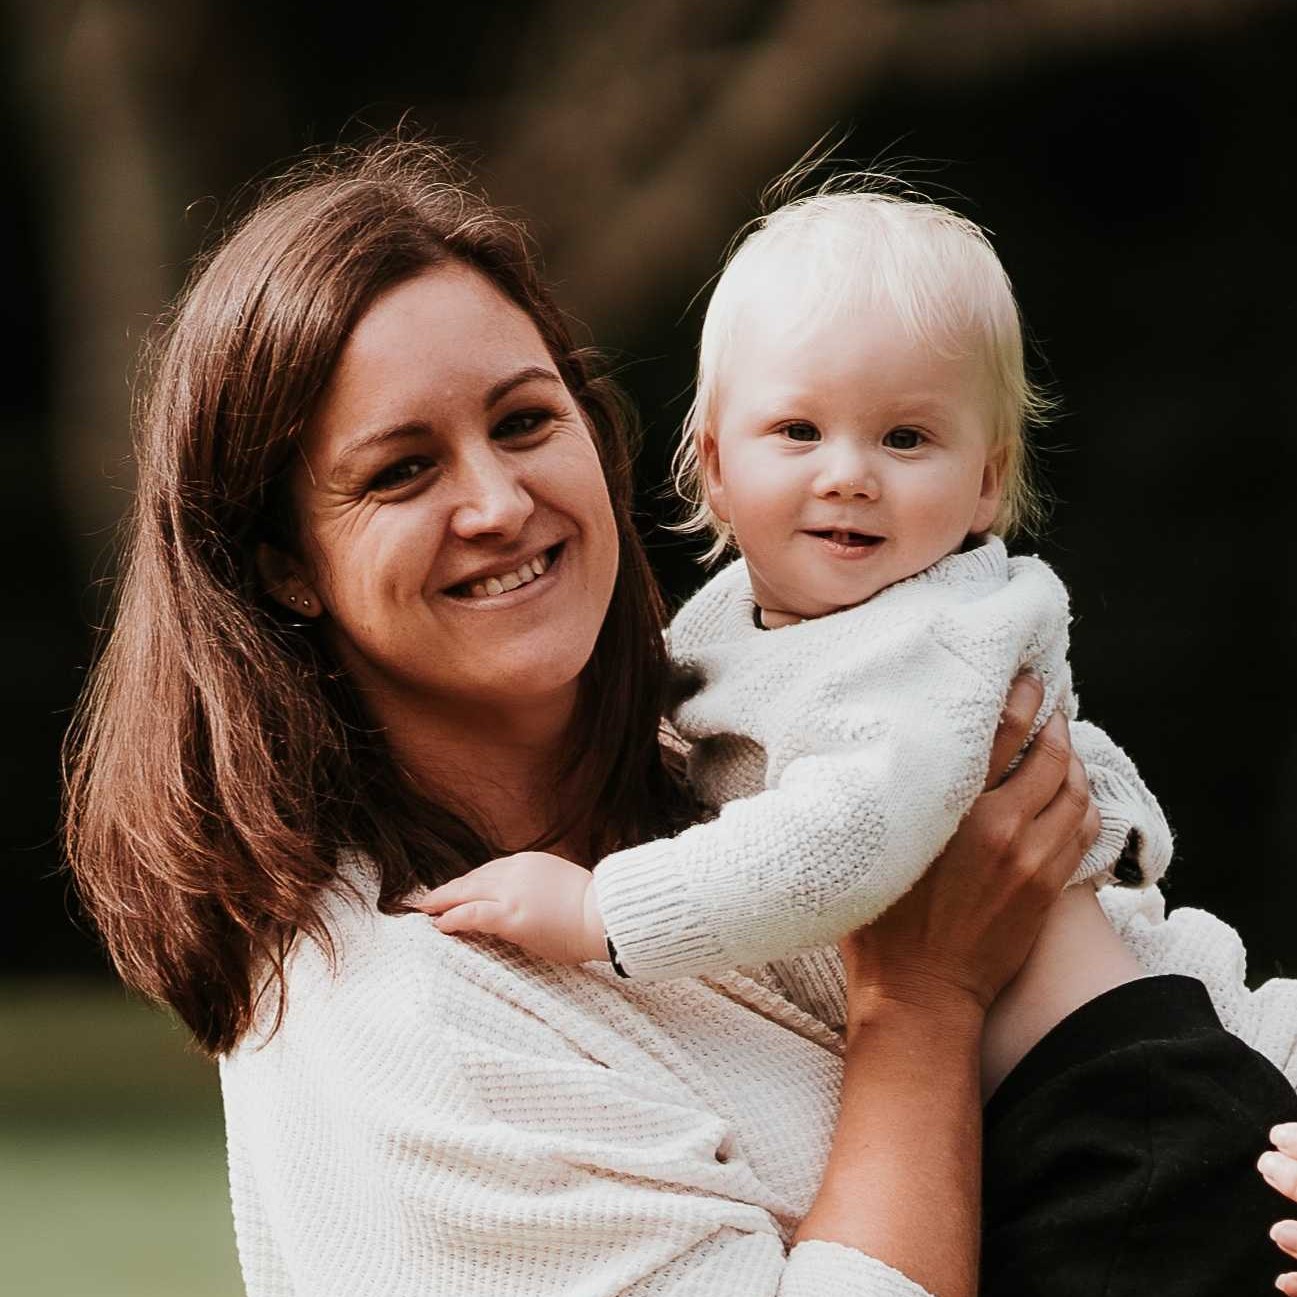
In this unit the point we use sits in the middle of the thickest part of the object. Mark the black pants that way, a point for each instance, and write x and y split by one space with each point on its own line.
1120 1155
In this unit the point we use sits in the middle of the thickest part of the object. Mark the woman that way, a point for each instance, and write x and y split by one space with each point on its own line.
364 408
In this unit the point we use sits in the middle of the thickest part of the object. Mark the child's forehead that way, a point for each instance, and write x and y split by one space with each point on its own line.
874 357
777 331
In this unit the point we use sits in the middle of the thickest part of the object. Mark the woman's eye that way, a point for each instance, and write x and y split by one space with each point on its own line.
402 473
523 424
801 432
903 439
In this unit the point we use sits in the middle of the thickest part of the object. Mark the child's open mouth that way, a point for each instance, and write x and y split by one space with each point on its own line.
849 539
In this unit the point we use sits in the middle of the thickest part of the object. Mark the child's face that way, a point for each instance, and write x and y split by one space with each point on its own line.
846 458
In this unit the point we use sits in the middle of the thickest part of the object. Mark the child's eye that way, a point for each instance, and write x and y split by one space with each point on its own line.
903 439
801 432
523 423
400 474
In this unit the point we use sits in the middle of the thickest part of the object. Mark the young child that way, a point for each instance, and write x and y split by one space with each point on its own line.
858 434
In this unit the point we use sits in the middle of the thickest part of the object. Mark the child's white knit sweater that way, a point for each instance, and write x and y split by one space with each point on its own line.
843 751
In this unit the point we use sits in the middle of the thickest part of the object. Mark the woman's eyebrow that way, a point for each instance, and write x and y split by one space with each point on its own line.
498 391
379 437
417 427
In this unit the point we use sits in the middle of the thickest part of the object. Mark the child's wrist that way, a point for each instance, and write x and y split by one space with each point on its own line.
595 938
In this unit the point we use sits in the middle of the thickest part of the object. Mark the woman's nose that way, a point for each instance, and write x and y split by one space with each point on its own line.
491 498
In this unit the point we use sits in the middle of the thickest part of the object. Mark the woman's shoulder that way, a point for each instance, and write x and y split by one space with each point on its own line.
398 975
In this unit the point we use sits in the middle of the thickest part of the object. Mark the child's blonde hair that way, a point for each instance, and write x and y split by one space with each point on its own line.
850 245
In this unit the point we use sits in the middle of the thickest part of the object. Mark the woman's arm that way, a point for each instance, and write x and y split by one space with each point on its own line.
903 1178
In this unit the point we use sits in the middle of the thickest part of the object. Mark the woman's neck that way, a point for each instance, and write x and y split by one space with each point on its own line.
499 765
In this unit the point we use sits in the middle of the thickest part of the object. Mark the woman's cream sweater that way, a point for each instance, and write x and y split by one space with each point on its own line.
450 1117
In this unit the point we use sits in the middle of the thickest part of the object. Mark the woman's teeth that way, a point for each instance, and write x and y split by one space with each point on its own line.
523 575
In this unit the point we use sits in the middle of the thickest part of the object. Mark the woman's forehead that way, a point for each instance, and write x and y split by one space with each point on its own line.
446 337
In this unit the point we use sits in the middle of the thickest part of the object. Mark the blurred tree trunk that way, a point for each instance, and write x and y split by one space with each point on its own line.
132 101
108 237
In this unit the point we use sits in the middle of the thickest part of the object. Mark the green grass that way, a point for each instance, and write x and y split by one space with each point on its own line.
112 1163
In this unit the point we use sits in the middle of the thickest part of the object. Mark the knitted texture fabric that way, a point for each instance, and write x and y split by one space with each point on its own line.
1189 942
843 751
451 1117
1198 944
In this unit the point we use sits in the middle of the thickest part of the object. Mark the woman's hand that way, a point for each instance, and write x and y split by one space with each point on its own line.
1280 1171
965 928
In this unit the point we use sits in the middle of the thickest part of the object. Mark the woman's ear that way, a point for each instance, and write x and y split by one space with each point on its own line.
709 465
286 582
992 493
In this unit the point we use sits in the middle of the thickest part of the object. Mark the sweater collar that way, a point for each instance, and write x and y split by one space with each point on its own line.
985 564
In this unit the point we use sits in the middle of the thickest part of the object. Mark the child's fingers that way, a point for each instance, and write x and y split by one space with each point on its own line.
1284 1138
456 892
1280 1172
1285 1235
1287 1284
473 916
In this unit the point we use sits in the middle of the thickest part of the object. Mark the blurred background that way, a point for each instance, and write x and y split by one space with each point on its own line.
1133 160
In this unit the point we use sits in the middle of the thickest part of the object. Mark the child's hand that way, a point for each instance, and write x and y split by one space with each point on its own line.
1280 1172
540 902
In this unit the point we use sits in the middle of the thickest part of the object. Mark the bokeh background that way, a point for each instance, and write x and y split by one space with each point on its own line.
1133 159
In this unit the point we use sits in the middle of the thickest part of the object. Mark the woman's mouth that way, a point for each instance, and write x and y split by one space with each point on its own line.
503 582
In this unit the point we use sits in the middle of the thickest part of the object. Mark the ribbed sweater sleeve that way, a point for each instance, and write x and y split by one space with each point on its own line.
870 730
432 1120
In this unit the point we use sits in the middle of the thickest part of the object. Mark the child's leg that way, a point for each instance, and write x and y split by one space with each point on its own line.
1076 957
1120 1155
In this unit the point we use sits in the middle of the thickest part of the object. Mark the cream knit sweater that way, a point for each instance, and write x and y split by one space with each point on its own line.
843 751
449 1117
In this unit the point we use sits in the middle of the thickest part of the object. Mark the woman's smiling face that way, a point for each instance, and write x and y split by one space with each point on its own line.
453 516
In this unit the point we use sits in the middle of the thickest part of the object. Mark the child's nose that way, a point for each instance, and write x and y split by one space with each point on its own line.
848 477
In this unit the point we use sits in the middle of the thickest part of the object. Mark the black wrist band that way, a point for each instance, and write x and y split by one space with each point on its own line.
613 960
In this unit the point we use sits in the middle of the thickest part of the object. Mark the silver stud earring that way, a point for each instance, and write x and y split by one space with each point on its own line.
292 598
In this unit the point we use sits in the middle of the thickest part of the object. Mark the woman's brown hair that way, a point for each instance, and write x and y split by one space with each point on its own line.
219 764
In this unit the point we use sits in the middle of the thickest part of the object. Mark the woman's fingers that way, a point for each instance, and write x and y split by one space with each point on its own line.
1285 1234
1066 829
1036 781
1280 1172
1279 1169
1020 708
